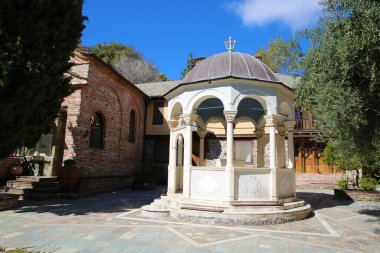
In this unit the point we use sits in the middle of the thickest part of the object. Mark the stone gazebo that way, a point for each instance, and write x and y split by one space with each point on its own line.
228 90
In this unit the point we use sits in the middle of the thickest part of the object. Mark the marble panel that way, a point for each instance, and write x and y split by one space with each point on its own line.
253 185
208 184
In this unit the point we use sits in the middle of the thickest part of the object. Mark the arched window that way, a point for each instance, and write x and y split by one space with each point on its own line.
132 127
97 131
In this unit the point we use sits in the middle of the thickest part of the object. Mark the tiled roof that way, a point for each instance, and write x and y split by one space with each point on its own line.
288 80
230 64
157 89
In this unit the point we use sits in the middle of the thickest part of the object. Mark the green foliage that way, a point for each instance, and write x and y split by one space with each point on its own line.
111 52
18 250
128 62
282 56
342 184
190 65
163 77
341 80
367 184
37 38
329 155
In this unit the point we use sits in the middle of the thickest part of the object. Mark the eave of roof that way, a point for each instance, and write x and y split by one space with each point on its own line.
228 77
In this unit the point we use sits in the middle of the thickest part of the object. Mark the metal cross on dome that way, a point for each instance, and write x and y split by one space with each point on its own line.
230 44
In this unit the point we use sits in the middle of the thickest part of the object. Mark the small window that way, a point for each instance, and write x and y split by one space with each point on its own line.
97 131
158 118
132 127
298 113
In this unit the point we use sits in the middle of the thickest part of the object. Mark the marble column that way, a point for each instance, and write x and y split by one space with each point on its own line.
259 148
180 151
202 134
188 152
281 129
230 171
271 122
290 127
172 168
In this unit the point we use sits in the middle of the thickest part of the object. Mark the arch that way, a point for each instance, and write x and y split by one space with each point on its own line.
97 130
203 95
210 107
216 120
245 119
286 110
132 127
200 123
176 110
244 125
254 94
261 122
179 149
250 108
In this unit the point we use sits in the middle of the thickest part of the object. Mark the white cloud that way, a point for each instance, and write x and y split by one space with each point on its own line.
295 13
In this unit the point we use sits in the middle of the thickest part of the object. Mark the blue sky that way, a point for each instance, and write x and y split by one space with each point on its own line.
166 31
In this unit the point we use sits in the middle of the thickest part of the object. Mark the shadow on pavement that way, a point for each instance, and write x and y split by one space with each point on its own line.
120 200
319 200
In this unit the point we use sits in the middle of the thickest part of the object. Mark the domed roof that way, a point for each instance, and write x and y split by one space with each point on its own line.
230 64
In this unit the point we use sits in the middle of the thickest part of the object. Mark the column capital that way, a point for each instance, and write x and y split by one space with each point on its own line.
172 123
230 116
202 134
273 120
289 124
281 129
189 119
259 133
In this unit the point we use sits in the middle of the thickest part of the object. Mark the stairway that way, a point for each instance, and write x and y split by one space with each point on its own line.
35 188
317 181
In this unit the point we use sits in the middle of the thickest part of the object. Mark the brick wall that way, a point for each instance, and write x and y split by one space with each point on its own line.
107 93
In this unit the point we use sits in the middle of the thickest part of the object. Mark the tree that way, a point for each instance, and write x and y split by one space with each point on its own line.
37 38
164 78
190 65
341 80
111 52
128 62
282 56
136 70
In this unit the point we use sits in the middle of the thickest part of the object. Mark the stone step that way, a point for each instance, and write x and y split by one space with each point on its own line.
44 179
38 197
292 205
255 203
317 181
155 211
316 186
202 208
34 191
22 184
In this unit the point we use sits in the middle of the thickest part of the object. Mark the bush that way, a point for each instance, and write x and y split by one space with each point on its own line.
368 184
342 184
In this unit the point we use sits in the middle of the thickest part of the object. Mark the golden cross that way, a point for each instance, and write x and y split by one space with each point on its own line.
230 44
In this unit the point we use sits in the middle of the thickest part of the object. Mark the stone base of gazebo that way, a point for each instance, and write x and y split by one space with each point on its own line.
232 212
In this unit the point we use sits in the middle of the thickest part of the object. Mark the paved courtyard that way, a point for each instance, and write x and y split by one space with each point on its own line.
112 222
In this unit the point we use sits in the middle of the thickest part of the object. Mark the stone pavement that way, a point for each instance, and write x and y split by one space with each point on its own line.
111 222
